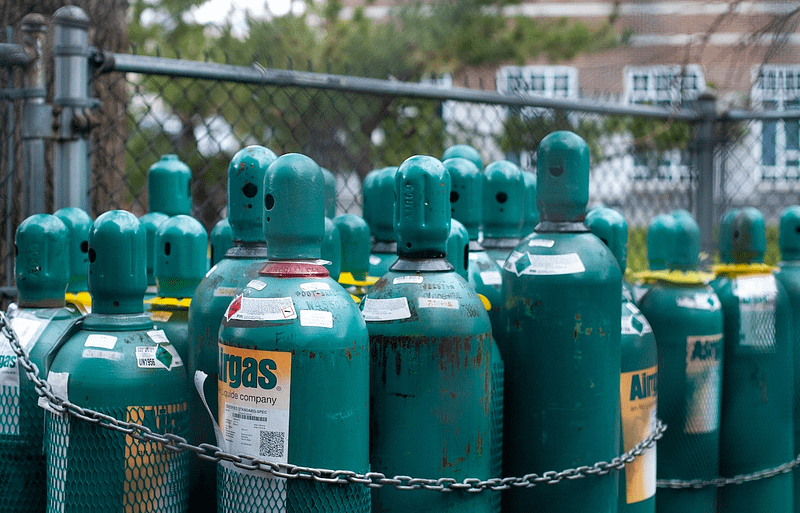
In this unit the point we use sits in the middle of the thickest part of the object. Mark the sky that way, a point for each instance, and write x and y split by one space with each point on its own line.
216 10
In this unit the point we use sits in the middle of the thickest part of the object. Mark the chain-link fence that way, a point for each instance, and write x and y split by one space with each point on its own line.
205 111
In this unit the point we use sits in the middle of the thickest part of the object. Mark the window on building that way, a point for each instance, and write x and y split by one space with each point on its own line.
526 126
666 86
777 88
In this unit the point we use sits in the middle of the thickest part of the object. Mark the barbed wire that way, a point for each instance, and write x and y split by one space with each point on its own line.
213 453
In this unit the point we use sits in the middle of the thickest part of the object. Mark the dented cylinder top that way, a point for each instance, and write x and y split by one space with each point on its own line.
503 200
169 186
562 171
151 221
610 227
789 233
659 235
748 240
40 269
117 276
245 181
422 209
294 209
683 247
354 239
458 248
78 223
180 256
330 193
379 203
464 151
221 240
466 194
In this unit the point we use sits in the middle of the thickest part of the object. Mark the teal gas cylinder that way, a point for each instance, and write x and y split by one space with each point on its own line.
330 193
503 209
726 235
151 221
221 240
686 317
332 249
464 151
355 240
293 362
458 248
118 364
562 311
78 223
756 430
169 186
39 318
658 235
378 188
431 351
638 387
531 210
789 276
466 206
211 299
180 265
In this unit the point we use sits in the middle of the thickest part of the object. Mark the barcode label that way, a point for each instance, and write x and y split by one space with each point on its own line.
272 444
245 416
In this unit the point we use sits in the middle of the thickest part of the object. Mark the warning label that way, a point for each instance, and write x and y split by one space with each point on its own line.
385 309
261 309
638 391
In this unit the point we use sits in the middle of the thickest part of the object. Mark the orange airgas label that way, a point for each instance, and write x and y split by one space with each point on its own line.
638 392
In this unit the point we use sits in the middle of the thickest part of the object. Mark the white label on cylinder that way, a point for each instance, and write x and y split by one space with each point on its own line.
491 278
437 302
700 301
546 265
385 309
408 279
101 341
261 309
703 382
224 291
113 356
374 260
158 336
541 243
757 302
314 285
59 384
257 284
316 318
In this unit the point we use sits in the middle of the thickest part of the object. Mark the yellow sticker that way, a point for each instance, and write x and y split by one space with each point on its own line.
160 316
638 391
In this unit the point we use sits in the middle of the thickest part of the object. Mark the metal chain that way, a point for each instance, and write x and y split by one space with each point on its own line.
211 452
678 484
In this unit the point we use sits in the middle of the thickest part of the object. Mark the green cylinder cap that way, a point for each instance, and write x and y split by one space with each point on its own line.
789 233
610 227
294 210
531 210
458 248
169 186
78 223
221 240
117 276
466 194
245 178
748 240
354 239
726 236
40 269
180 256
331 249
503 200
562 170
683 251
464 151
151 221
422 209
330 193
378 208
659 236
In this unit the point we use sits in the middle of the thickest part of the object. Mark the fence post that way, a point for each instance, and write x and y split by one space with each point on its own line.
705 140
71 96
37 116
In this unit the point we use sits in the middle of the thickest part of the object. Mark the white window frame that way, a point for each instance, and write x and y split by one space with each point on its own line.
666 86
552 82
775 87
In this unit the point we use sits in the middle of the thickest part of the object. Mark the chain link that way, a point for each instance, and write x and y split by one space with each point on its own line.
288 471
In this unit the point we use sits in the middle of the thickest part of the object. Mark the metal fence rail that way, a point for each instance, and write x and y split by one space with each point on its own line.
138 108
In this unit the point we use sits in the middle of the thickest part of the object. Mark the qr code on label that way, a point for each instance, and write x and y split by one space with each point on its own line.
272 444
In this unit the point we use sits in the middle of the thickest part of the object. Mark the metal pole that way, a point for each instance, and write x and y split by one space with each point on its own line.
9 213
36 115
705 140
71 93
